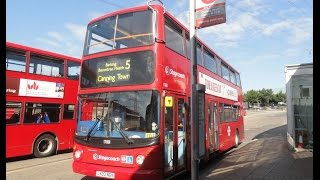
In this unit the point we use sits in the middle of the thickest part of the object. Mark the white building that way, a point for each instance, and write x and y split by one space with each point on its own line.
299 88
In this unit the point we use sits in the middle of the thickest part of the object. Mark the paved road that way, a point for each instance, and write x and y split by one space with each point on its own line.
51 168
264 153
259 125
259 122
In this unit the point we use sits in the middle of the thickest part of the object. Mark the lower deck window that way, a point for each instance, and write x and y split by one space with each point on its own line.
68 112
42 113
13 112
229 113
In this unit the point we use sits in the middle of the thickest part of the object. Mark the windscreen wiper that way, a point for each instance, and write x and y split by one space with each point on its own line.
125 137
91 129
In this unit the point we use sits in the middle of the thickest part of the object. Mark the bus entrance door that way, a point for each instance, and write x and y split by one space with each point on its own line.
212 130
215 126
175 134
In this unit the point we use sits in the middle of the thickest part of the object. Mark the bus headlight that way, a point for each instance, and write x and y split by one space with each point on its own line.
140 159
77 154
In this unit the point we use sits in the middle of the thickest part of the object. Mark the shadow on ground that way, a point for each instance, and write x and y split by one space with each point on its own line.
266 157
20 158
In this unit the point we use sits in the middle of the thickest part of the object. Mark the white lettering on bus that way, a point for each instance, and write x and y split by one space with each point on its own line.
123 76
11 90
231 93
212 86
217 88
96 156
106 79
170 71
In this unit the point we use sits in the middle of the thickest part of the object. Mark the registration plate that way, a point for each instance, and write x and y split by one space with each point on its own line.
104 174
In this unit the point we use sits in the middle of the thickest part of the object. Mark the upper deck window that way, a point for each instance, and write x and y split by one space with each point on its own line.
233 77
174 37
15 61
120 31
210 62
238 80
218 60
225 72
73 70
199 52
46 66
199 55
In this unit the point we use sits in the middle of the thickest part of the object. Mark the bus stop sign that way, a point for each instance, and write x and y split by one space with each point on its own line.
210 12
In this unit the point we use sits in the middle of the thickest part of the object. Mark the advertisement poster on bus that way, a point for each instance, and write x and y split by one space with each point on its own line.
12 86
44 89
217 88
210 13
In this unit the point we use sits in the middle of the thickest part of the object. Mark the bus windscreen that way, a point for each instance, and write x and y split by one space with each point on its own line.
121 31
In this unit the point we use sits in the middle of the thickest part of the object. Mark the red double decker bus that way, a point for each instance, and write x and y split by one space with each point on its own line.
134 98
41 96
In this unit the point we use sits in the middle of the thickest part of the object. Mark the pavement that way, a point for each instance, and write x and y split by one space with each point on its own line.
266 157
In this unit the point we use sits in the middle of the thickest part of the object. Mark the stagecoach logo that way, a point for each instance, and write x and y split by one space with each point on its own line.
170 71
96 156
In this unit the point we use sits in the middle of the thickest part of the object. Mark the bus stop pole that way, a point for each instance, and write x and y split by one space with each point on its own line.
193 103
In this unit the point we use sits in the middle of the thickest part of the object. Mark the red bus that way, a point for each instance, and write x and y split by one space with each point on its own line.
134 98
41 96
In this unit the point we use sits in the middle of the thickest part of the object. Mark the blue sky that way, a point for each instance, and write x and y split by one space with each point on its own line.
259 38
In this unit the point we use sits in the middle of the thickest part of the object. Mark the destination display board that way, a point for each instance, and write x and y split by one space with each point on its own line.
116 70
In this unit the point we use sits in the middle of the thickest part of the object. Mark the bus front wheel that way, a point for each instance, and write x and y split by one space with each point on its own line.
44 146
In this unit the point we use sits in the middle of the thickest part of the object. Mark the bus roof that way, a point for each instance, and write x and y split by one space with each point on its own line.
40 52
122 11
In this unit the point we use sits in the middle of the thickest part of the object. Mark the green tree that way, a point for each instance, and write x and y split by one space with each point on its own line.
280 97
251 96
265 96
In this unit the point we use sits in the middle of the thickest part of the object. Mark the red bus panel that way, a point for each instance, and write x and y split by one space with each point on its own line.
41 89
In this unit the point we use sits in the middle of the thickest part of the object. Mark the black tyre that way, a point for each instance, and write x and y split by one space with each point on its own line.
236 139
44 146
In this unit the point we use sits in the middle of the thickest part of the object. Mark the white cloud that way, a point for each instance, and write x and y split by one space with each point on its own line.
255 7
272 28
182 3
183 17
301 31
142 3
77 30
94 15
227 44
294 52
261 58
56 36
288 12
69 43
298 30
231 32
49 42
